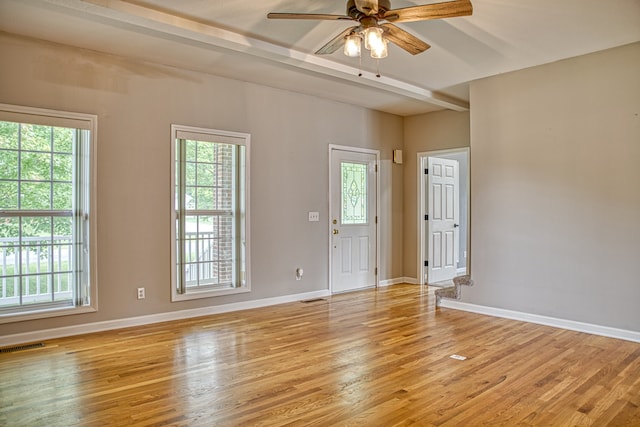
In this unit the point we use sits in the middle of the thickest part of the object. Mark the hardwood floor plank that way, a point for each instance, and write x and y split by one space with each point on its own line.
375 357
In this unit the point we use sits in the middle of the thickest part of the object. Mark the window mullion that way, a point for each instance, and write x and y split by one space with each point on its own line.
76 230
49 265
42 213
182 215
51 284
19 258
210 212
236 217
80 219
198 243
20 241
19 169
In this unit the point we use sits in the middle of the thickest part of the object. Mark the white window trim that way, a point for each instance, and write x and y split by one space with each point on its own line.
89 122
232 137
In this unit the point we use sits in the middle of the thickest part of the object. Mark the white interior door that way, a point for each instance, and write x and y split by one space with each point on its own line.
443 219
353 199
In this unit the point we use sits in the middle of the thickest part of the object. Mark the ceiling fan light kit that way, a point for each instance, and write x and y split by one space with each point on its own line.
369 14
380 50
352 45
374 41
372 37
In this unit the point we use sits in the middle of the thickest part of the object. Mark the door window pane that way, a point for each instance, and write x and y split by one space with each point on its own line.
354 188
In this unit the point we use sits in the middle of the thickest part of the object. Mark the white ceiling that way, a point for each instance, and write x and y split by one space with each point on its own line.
233 38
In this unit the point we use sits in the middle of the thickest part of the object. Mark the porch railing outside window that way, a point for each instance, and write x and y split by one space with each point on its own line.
47 271
50 274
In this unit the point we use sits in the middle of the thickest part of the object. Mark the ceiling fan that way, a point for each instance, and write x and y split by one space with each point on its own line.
376 25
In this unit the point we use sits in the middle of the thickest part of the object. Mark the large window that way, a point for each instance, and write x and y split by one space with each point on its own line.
45 213
210 208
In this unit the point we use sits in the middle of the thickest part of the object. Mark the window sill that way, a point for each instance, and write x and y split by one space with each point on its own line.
193 295
43 314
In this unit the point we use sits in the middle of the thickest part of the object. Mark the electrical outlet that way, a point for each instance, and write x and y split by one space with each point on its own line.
140 293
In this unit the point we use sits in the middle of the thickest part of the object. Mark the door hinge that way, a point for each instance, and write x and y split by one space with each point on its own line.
426 171
426 217
376 219
376 167
426 263
376 271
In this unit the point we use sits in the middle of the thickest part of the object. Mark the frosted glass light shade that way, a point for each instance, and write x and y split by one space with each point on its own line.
352 46
380 51
373 38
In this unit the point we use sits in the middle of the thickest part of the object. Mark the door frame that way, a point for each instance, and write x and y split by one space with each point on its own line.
376 153
421 208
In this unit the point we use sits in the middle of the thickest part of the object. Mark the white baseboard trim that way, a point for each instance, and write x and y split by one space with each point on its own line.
572 325
47 334
397 281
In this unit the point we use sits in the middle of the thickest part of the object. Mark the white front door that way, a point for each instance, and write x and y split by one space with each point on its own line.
353 200
443 219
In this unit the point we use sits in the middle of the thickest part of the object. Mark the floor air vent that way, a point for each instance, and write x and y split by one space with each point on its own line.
21 347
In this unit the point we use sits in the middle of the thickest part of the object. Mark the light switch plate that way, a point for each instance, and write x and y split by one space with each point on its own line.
314 216
397 157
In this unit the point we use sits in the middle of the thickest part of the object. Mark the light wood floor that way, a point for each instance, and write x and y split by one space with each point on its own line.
370 358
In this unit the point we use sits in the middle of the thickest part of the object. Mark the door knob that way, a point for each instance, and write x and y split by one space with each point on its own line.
335 231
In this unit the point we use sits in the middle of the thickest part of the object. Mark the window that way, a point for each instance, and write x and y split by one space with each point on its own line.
354 193
46 220
210 212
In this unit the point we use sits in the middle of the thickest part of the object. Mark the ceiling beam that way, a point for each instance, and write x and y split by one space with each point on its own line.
180 29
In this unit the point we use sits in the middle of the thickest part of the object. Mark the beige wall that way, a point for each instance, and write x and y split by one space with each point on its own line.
554 154
136 103
442 130
555 190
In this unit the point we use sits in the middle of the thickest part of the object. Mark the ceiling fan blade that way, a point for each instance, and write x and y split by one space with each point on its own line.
368 7
321 16
447 9
403 39
335 43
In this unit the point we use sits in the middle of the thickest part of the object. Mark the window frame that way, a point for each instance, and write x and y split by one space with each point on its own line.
88 122
182 132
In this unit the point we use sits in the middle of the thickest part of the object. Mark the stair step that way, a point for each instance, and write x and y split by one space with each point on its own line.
453 292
